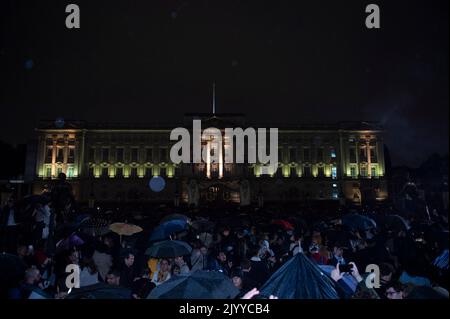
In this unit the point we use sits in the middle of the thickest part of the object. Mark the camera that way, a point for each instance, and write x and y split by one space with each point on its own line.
346 268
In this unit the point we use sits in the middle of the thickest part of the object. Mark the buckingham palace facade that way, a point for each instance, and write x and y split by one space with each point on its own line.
110 163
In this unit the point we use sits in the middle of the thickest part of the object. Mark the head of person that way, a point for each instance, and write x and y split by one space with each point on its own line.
179 261
246 265
395 291
32 276
237 281
61 177
226 232
128 259
164 265
22 250
113 278
221 256
74 257
386 272
203 250
338 251
176 269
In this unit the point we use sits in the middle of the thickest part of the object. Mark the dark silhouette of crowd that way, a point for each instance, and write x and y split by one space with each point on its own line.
46 233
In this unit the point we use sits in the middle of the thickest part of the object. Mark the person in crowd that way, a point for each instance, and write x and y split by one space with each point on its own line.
9 224
163 274
395 290
102 259
128 272
182 265
89 273
113 277
338 256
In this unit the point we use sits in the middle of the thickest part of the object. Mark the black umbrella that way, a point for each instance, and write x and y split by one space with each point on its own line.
100 291
12 269
168 249
174 216
358 222
396 223
95 226
299 278
199 285
167 229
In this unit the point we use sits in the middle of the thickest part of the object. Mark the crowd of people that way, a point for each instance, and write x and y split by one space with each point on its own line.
248 245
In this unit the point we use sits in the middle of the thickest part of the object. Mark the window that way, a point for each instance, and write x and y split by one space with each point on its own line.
306 154
149 155
162 171
104 172
352 155
92 154
293 172
333 153
335 195
70 172
363 171
134 154
162 154
363 154
119 172
320 171
91 171
59 171
280 155
307 171
333 172
293 154
60 155
71 156
373 171
48 171
105 155
148 172
373 155
134 172
320 155
119 155
353 172
49 155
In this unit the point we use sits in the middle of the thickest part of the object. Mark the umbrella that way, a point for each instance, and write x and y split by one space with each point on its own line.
35 199
168 228
12 268
348 279
203 225
124 229
100 291
396 223
358 222
283 223
299 278
169 248
199 285
174 217
70 242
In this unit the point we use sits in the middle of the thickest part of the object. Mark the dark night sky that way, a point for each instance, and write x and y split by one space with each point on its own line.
299 61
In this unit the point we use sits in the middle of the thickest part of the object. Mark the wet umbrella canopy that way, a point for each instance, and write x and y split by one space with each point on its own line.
299 278
199 285
169 248
100 291
167 229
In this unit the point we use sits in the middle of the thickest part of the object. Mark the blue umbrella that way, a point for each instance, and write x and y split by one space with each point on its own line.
165 230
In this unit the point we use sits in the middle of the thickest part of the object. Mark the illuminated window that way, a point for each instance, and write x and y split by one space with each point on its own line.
48 171
363 171
353 172
48 155
334 185
70 172
333 153
373 171
334 172
59 170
